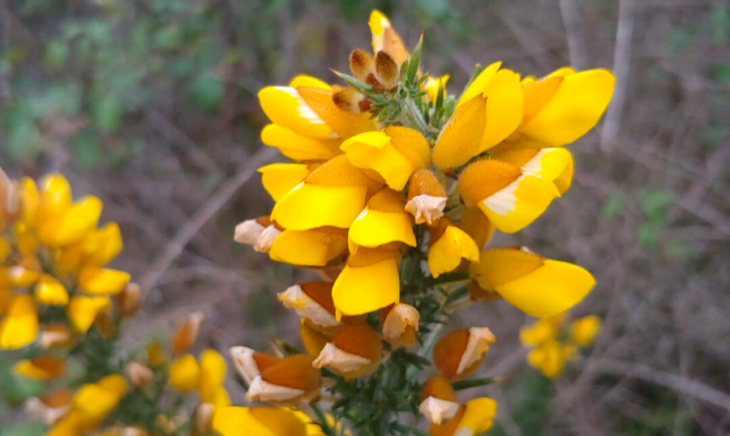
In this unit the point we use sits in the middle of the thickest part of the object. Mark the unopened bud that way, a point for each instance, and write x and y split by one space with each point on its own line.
105 323
387 70
400 324
50 408
351 100
438 401
249 231
249 363
56 336
361 64
354 352
138 374
458 354
266 240
128 300
426 197
187 333
286 381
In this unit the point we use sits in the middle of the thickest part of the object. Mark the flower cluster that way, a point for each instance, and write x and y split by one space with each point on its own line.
396 189
551 346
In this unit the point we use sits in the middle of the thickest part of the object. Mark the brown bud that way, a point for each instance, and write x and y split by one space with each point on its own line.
361 64
458 354
438 400
249 363
373 81
386 70
249 231
187 333
354 352
426 197
350 100
128 300
138 374
286 381
400 324
105 323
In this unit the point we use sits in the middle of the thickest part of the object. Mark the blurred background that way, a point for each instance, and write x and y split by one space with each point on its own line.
152 106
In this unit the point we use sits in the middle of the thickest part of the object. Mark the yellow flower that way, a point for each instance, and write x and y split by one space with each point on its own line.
583 331
41 368
539 287
552 164
448 246
19 327
438 400
91 404
473 418
259 421
332 195
287 381
384 220
280 178
71 225
458 354
564 106
385 38
510 198
475 224
298 147
368 282
184 373
549 358
314 247
355 352
542 331
102 281
394 153
212 375
50 291
433 85
82 311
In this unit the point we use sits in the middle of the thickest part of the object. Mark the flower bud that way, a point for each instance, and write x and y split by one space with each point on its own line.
354 352
549 358
542 331
287 381
351 100
230 421
458 354
50 408
249 231
473 418
313 302
138 374
361 64
128 300
386 71
184 373
438 401
400 324
56 336
41 368
187 333
433 84
426 197
249 363
583 331
105 323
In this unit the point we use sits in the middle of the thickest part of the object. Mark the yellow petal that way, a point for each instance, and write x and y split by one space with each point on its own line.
103 245
573 110
102 281
82 311
184 373
537 94
373 228
562 72
96 400
257 421
280 178
55 198
5 249
364 289
19 327
26 239
395 153
504 108
296 146
73 224
385 38
520 203
476 87
50 291
545 163
548 290
583 331
309 82
41 368
549 358
542 331
343 124
286 108
446 253
477 226
212 374
565 179
309 206
31 202
314 247
459 140
478 415
433 85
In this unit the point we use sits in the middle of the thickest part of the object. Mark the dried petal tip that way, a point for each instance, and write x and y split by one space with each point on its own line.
286 381
426 209
266 240
248 232
438 401
249 363
50 408
459 353
187 333
128 300
401 324
56 335
313 302
138 374
361 64
353 353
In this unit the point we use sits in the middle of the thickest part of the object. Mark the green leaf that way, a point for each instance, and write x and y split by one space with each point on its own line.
206 92
654 203
56 54
415 61
86 149
107 113
468 384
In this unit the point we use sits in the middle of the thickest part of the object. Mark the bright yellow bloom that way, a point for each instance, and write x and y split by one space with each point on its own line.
82 311
384 220
394 153
102 281
510 198
539 287
212 375
473 418
50 291
542 331
553 164
433 85
298 147
257 421
448 246
549 358
315 247
41 368
19 327
583 331
280 178
184 373
72 225
368 282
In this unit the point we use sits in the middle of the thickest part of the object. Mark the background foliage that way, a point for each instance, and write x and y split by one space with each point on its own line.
152 106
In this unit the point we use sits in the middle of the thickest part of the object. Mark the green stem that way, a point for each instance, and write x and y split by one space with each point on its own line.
413 117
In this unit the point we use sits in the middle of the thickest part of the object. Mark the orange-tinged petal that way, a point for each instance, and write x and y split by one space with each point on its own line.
280 178
477 226
504 108
476 87
545 163
19 327
573 110
295 146
516 206
315 247
309 82
459 140
400 325
187 333
41 368
385 38
312 301
343 124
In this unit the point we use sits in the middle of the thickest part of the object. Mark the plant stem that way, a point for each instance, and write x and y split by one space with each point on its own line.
412 116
